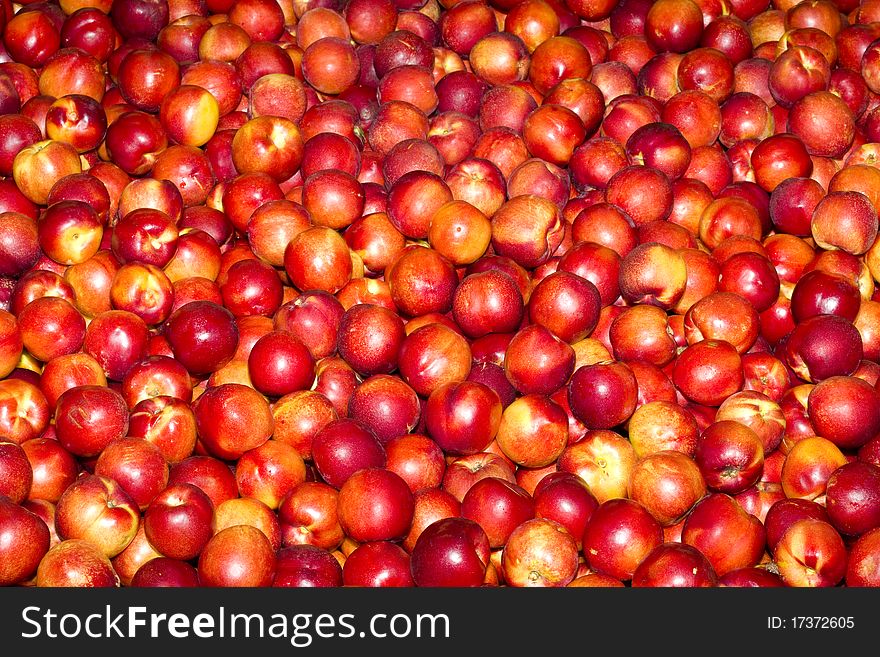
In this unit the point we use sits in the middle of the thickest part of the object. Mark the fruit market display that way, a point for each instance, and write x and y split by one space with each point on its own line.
440 293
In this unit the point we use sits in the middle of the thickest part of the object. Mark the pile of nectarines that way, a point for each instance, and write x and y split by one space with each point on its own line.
439 293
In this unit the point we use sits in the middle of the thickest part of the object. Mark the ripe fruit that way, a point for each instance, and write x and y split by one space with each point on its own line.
395 292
